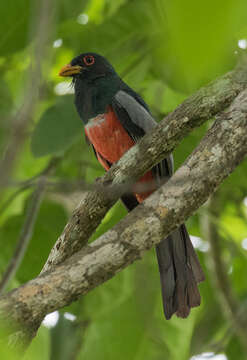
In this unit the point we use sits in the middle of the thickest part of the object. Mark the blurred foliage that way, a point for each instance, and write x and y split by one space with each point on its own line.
54 125
165 50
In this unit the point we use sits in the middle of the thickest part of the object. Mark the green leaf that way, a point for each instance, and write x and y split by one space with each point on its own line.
6 352
127 320
49 225
114 215
115 330
5 106
14 25
190 47
40 346
234 350
66 11
57 128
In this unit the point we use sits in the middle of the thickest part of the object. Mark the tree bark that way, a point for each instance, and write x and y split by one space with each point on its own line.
221 150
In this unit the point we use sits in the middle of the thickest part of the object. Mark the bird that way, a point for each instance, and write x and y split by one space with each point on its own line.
115 118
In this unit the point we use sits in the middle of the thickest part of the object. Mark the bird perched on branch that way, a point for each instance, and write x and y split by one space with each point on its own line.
115 117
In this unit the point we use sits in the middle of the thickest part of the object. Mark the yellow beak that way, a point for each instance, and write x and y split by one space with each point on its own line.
69 70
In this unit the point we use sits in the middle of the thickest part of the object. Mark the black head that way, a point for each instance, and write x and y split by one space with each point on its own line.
87 67
95 82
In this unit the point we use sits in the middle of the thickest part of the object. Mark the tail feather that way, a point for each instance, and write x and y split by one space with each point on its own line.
179 267
180 272
195 264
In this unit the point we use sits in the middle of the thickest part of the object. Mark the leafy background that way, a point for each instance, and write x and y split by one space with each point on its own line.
165 50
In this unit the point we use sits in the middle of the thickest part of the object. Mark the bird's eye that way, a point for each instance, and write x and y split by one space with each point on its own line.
89 59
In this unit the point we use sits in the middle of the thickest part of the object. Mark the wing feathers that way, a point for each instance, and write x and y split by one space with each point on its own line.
138 115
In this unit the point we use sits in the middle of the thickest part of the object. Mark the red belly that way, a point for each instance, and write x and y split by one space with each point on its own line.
111 141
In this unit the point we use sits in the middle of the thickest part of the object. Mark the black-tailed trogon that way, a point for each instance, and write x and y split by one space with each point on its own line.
115 118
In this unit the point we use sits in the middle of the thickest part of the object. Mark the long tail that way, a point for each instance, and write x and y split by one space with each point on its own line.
180 272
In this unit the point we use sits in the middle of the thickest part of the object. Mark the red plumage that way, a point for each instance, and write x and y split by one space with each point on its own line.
110 141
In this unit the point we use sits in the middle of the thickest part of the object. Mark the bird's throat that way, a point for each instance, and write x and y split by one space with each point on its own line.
92 98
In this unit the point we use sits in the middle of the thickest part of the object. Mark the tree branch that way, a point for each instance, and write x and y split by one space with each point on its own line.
201 106
220 151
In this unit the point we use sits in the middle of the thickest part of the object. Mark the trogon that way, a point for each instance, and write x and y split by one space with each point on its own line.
115 117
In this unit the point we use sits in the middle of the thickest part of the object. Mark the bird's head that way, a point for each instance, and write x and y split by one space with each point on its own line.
87 67
95 82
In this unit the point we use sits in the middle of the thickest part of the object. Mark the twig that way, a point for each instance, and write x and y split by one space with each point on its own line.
26 234
32 181
67 185
227 297
12 197
220 345
27 229
23 116
24 185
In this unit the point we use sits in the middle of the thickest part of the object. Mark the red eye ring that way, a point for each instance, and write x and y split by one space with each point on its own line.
89 60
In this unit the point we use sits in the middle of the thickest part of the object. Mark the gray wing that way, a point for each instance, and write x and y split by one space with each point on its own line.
138 115
138 121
